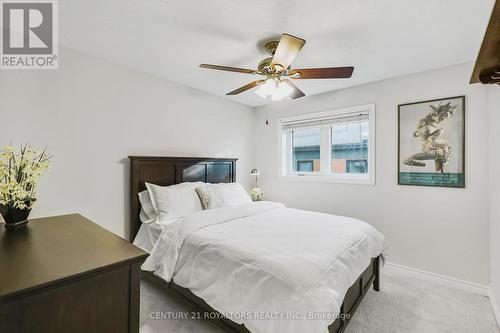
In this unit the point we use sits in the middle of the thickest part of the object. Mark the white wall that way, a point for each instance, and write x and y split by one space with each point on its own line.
92 114
494 121
434 229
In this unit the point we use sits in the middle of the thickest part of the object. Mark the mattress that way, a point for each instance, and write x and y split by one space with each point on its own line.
269 267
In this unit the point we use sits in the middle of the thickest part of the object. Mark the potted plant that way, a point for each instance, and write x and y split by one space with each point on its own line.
256 194
19 174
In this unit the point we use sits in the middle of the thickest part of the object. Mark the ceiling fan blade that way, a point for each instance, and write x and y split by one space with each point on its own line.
296 93
246 87
229 69
288 48
323 73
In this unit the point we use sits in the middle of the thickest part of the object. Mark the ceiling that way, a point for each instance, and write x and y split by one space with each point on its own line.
382 39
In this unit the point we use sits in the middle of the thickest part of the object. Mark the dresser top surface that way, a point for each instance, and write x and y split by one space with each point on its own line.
50 250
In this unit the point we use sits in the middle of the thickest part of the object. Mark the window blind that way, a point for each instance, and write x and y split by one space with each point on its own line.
324 120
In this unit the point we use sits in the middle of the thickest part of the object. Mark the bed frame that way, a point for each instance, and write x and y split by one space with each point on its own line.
165 171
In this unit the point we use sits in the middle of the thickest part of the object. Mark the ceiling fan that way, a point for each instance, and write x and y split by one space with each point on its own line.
278 74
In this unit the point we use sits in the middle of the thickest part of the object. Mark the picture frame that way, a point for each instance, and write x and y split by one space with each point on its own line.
431 143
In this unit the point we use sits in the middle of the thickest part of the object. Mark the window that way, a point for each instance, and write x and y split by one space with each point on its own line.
350 147
336 145
305 149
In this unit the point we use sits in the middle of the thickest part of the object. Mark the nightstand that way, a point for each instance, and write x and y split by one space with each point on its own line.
67 274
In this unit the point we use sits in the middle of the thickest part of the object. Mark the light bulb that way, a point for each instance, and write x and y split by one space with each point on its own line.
267 89
276 90
282 91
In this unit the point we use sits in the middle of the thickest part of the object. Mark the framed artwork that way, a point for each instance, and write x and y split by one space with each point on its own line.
431 143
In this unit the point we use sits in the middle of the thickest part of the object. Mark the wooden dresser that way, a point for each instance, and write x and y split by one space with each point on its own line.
67 274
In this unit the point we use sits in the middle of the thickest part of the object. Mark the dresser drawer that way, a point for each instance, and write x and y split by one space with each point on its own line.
9 316
99 303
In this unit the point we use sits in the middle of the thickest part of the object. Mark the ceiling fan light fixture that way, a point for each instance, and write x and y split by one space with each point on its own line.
273 89
278 72
267 89
282 91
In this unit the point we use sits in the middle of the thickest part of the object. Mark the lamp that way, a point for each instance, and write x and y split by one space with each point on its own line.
256 173
275 89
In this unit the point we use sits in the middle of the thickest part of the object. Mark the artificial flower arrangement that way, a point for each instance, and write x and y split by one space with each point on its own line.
19 175
256 194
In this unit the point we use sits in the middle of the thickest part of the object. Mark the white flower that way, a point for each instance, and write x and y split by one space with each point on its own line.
19 173
256 194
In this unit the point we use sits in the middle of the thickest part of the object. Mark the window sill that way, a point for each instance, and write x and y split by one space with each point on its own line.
331 179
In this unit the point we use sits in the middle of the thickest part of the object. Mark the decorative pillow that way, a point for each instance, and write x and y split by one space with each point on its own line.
174 201
148 213
222 195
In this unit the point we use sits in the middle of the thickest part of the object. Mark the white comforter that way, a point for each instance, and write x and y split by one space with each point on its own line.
272 268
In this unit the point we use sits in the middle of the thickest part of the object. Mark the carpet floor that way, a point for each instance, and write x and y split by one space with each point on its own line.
404 305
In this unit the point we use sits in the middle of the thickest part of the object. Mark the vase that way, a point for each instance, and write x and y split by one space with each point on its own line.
13 216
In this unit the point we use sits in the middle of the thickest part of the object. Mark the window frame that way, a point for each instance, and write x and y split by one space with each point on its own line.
325 174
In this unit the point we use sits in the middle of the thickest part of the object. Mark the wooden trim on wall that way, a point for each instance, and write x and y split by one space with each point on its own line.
488 60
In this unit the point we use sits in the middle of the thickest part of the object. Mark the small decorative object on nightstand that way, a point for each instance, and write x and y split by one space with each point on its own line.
256 193
19 173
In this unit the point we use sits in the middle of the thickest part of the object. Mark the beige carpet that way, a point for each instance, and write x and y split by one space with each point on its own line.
404 304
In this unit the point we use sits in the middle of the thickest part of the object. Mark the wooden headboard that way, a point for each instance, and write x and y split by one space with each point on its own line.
166 171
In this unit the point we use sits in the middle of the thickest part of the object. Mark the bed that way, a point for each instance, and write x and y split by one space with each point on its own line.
165 171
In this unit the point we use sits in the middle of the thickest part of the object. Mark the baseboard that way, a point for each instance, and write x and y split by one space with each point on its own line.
472 287
495 308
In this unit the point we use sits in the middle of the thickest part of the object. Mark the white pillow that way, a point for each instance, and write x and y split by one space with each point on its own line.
222 195
148 213
174 201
